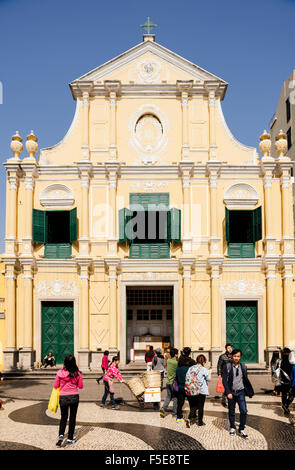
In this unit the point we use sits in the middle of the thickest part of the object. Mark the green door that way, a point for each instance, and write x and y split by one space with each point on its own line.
241 328
57 329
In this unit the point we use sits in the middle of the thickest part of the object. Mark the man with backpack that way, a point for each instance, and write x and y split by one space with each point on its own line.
237 387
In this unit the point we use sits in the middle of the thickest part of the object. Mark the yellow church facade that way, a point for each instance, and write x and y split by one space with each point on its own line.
148 220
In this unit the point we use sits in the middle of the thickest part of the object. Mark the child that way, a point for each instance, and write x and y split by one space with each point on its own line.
104 365
111 373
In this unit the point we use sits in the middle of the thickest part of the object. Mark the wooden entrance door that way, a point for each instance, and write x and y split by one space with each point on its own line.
241 328
57 329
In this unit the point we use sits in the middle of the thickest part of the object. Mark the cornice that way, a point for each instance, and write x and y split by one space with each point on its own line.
56 263
149 264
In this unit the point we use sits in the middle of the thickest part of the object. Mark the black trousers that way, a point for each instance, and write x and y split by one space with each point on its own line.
285 388
68 402
196 402
180 402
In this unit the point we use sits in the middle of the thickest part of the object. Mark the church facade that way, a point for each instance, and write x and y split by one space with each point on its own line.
148 220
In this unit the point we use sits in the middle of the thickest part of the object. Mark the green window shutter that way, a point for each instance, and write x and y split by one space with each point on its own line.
145 199
124 217
39 226
58 250
257 224
241 250
227 228
174 225
73 225
149 250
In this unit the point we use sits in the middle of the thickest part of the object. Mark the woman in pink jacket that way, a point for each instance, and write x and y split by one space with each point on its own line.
68 379
111 373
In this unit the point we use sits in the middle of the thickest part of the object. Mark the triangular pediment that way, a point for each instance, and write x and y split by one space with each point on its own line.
148 51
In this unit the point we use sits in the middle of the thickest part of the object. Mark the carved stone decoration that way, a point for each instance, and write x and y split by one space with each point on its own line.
149 276
148 127
148 71
149 186
57 288
57 195
242 286
241 194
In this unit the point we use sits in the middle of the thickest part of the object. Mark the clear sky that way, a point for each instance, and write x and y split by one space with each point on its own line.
44 45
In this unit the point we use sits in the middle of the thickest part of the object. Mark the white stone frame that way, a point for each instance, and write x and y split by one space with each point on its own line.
50 202
123 318
260 341
243 202
38 322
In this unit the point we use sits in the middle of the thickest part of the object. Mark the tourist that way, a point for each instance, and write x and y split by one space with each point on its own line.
167 356
186 352
223 359
172 364
68 379
292 379
285 377
237 387
104 365
149 355
158 363
49 360
111 373
184 364
274 364
197 402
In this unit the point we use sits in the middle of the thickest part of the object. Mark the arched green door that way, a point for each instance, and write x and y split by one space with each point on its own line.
57 329
241 328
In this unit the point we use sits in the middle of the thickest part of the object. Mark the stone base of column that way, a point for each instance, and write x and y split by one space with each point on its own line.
84 360
214 355
10 359
26 359
268 353
96 358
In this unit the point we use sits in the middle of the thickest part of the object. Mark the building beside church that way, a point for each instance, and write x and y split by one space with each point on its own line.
148 221
2 314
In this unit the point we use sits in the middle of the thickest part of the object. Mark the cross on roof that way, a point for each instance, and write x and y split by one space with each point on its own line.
148 25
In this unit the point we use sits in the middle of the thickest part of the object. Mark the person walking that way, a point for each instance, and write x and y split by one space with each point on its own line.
172 364
111 373
274 364
158 363
237 387
223 359
197 402
184 364
186 352
149 355
104 365
69 380
285 378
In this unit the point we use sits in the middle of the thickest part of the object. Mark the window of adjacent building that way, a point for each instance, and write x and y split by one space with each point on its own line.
242 229
169 314
149 225
57 230
148 315
288 110
289 138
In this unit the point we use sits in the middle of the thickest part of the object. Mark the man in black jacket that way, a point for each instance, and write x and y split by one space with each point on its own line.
237 387
225 358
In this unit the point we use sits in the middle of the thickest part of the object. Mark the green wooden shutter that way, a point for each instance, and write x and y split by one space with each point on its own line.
149 250
73 225
227 228
145 199
124 229
257 224
58 251
241 250
174 225
39 226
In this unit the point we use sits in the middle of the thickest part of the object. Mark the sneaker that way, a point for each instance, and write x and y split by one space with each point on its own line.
202 423
243 434
59 441
181 420
232 431
162 413
71 442
115 407
223 403
98 380
188 423
286 409
102 405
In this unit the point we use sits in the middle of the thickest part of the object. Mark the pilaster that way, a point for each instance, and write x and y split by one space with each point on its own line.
112 87
85 88
112 170
212 88
10 351
184 87
215 249
215 268
268 165
83 264
85 170
186 169
112 264
187 262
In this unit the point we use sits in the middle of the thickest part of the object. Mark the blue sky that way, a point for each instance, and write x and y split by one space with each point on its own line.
46 44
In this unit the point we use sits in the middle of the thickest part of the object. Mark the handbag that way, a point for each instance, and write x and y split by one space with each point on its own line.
54 400
175 386
219 387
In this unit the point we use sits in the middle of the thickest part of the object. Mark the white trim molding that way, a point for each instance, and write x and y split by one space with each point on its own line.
57 195
241 195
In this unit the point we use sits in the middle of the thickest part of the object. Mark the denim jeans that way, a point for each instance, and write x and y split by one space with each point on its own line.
106 392
238 397
170 396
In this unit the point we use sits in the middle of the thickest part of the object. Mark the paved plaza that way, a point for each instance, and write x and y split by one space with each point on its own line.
26 423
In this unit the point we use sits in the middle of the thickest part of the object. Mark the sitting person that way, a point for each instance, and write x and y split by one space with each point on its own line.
49 360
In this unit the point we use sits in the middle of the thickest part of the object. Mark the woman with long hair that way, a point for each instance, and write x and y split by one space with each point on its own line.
197 402
68 379
184 363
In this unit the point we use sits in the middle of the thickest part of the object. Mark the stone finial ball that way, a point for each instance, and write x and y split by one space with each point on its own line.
16 144
281 144
31 144
265 144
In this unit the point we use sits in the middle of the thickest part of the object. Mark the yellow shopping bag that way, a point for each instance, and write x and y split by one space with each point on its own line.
54 400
